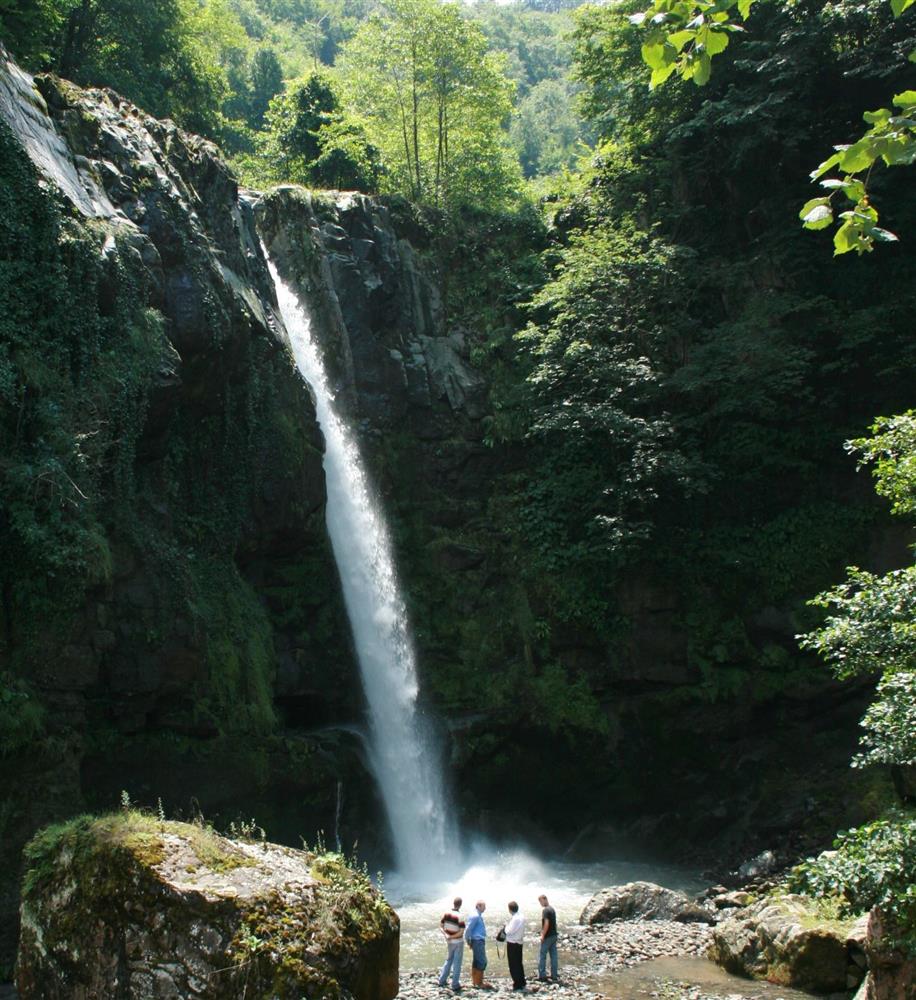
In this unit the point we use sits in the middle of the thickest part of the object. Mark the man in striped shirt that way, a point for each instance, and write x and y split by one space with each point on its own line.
453 928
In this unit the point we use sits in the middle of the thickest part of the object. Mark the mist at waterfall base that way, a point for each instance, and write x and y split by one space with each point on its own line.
434 860
500 875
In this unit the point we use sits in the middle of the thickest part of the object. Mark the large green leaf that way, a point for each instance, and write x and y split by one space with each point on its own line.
816 213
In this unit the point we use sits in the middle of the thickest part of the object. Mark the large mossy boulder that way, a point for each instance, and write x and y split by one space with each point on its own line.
129 906
642 901
786 940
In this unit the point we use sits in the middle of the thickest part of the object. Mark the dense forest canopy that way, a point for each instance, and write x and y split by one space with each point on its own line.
674 363
216 65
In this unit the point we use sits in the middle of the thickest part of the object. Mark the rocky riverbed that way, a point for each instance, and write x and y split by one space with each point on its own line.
624 960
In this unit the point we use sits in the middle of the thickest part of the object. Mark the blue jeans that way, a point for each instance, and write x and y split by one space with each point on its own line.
548 947
479 950
452 962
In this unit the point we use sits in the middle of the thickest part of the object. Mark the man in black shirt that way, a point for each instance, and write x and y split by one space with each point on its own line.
548 942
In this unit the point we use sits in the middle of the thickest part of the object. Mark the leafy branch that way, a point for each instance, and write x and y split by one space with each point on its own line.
683 36
892 140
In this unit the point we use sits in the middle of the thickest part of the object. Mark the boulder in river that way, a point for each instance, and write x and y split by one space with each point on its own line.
642 901
132 907
783 939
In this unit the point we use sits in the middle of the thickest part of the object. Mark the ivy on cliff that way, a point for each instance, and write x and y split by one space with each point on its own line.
73 382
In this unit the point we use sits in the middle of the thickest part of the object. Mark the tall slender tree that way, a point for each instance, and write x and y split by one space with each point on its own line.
433 100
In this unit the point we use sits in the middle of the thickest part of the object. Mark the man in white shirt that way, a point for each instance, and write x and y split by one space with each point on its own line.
515 933
453 930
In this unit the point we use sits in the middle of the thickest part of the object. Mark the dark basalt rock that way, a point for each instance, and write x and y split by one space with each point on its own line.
225 437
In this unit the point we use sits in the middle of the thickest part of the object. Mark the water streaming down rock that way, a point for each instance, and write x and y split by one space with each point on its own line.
405 763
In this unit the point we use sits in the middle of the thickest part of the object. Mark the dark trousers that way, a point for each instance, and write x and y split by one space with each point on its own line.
514 954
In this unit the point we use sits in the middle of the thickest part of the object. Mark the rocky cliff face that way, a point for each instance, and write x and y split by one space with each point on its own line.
169 598
198 652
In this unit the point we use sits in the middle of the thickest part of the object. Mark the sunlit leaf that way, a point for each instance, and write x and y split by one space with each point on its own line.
859 156
715 42
846 238
825 166
658 55
680 38
660 75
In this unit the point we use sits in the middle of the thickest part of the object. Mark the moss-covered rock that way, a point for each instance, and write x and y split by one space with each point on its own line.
791 941
131 906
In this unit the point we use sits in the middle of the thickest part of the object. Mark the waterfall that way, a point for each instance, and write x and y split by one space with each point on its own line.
404 761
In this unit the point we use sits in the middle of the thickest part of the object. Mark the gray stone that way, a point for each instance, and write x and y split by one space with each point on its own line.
642 901
764 863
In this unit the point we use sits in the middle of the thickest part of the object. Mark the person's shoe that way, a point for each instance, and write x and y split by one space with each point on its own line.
554 979
456 988
543 979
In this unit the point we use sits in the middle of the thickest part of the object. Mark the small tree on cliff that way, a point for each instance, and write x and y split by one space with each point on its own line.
309 140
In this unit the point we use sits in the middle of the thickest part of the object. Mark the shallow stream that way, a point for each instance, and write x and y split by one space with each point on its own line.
682 977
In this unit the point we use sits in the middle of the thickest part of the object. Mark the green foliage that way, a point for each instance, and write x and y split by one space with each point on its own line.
22 716
690 369
239 649
565 705
874 865
592 401
433 101
682 38
892 453
545 129
74 379
29 27
872 625
310 141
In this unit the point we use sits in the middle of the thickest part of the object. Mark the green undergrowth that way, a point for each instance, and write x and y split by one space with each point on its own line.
239 648
873 865
93 851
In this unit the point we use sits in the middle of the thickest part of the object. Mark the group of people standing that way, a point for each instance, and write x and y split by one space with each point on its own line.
473 932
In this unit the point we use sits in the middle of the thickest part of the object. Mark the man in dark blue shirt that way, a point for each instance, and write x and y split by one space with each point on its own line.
548 942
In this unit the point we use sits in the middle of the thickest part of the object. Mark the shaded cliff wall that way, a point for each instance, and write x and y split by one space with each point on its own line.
170 605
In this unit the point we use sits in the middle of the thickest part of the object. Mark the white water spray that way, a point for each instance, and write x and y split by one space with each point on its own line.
406 766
